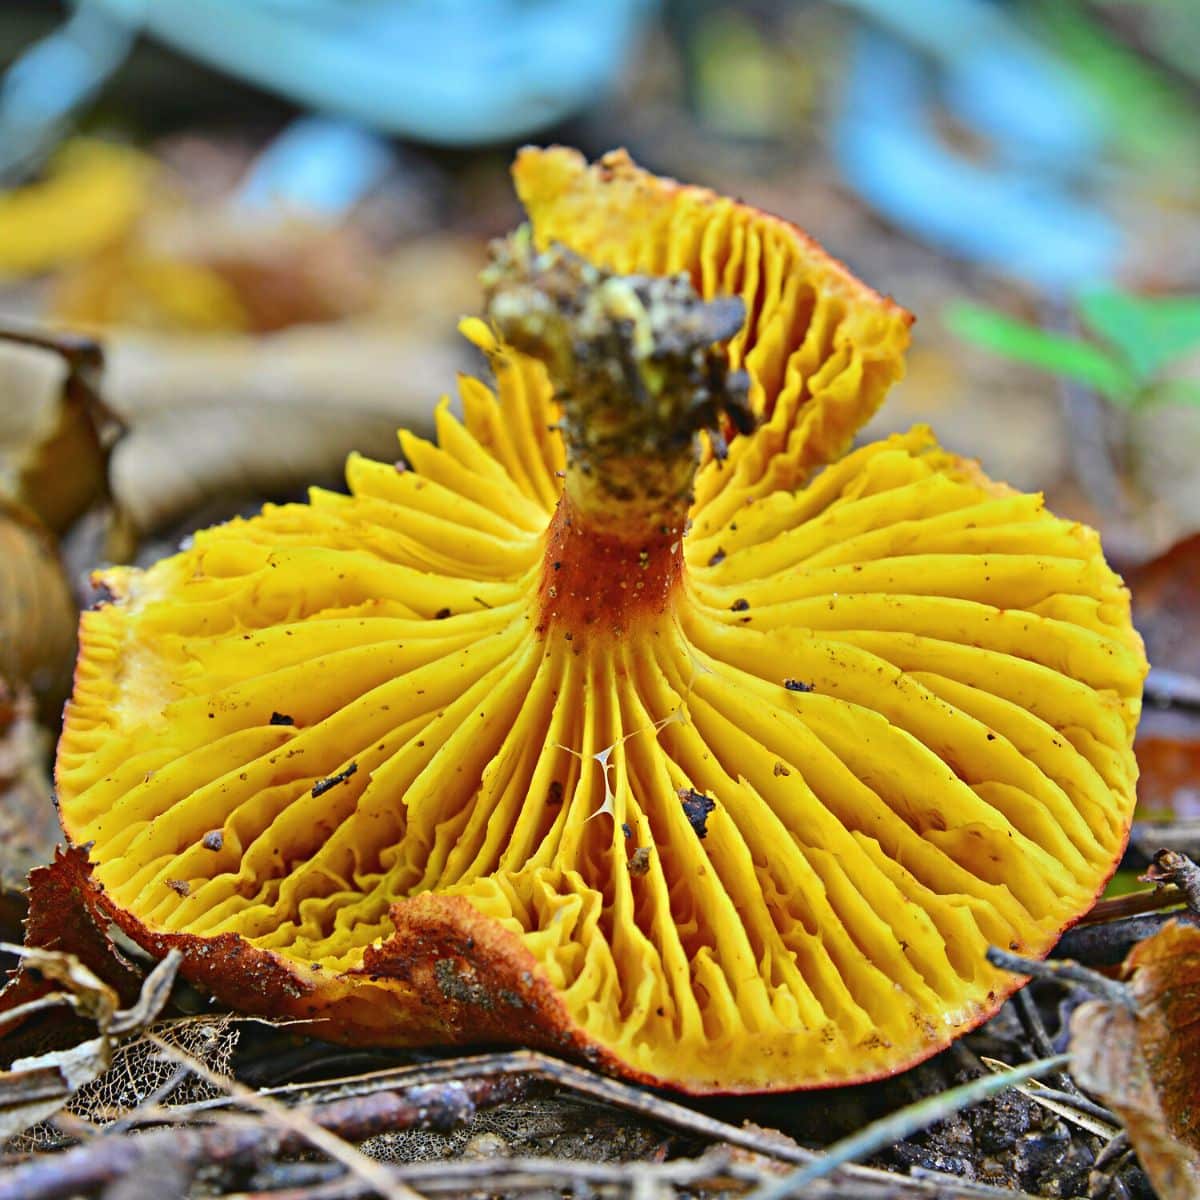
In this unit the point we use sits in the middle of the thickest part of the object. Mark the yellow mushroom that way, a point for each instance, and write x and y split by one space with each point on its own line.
724 782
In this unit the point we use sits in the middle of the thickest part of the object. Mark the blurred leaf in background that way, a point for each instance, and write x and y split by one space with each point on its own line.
1139 342
91 197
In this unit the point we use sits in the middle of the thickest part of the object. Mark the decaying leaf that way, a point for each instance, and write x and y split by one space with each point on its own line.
28 823
60 919
212 269
37 1086
259 416
1165 606
54 429
139 1070
1168 753
92 196
1144 1060
37 610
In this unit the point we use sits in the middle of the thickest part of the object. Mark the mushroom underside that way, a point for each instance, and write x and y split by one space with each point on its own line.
760 840
383 761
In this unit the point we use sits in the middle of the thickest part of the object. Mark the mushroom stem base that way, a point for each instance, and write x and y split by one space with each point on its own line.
600 580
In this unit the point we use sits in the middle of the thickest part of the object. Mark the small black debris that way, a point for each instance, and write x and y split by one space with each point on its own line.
717 558
441 614
696 807
797 685
639 861
740 605
626 829
214 839
179 885
554 792
280 719
323 785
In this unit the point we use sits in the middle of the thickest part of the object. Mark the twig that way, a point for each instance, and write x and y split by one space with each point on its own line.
1109 1162
1035 1030
1071 1106
1076 1101
531 1065
1132 904
240 1142
1171 866
294 1120
440 1095
711 1170
1063 972
905 1122
1148 837
1107 945
1166 689
1031 1023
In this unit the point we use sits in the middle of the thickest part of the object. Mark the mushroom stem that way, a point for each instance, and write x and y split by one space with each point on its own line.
636 367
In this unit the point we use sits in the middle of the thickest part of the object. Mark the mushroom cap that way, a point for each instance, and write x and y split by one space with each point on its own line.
756 834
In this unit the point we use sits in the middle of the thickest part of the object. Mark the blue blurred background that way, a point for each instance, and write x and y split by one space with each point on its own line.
201 180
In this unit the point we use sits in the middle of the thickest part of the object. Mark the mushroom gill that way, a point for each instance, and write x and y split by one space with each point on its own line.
726 783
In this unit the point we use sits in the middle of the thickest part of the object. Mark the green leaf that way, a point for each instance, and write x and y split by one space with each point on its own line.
1176 391
1054 352
1150 116
1149 333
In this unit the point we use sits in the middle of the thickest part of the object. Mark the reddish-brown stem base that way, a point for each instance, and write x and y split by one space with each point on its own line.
596 580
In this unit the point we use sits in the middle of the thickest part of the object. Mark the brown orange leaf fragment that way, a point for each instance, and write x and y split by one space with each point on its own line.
28 823
1144 1060
37 611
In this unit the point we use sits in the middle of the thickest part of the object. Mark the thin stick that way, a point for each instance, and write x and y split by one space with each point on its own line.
1031 1023
151 1104
1132 904
1089 1108
531 1064
1107 945
905 1122
53 1000
1171 866
513 1069
1068 1105
241 1142
712 1170
1063 972
1167 689
296 1120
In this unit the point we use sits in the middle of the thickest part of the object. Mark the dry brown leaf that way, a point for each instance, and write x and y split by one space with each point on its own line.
37 611
259 416
29 826
93 195
54 430
1165 608
212 268
1144 1060
60 919
1168 753
39 1085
